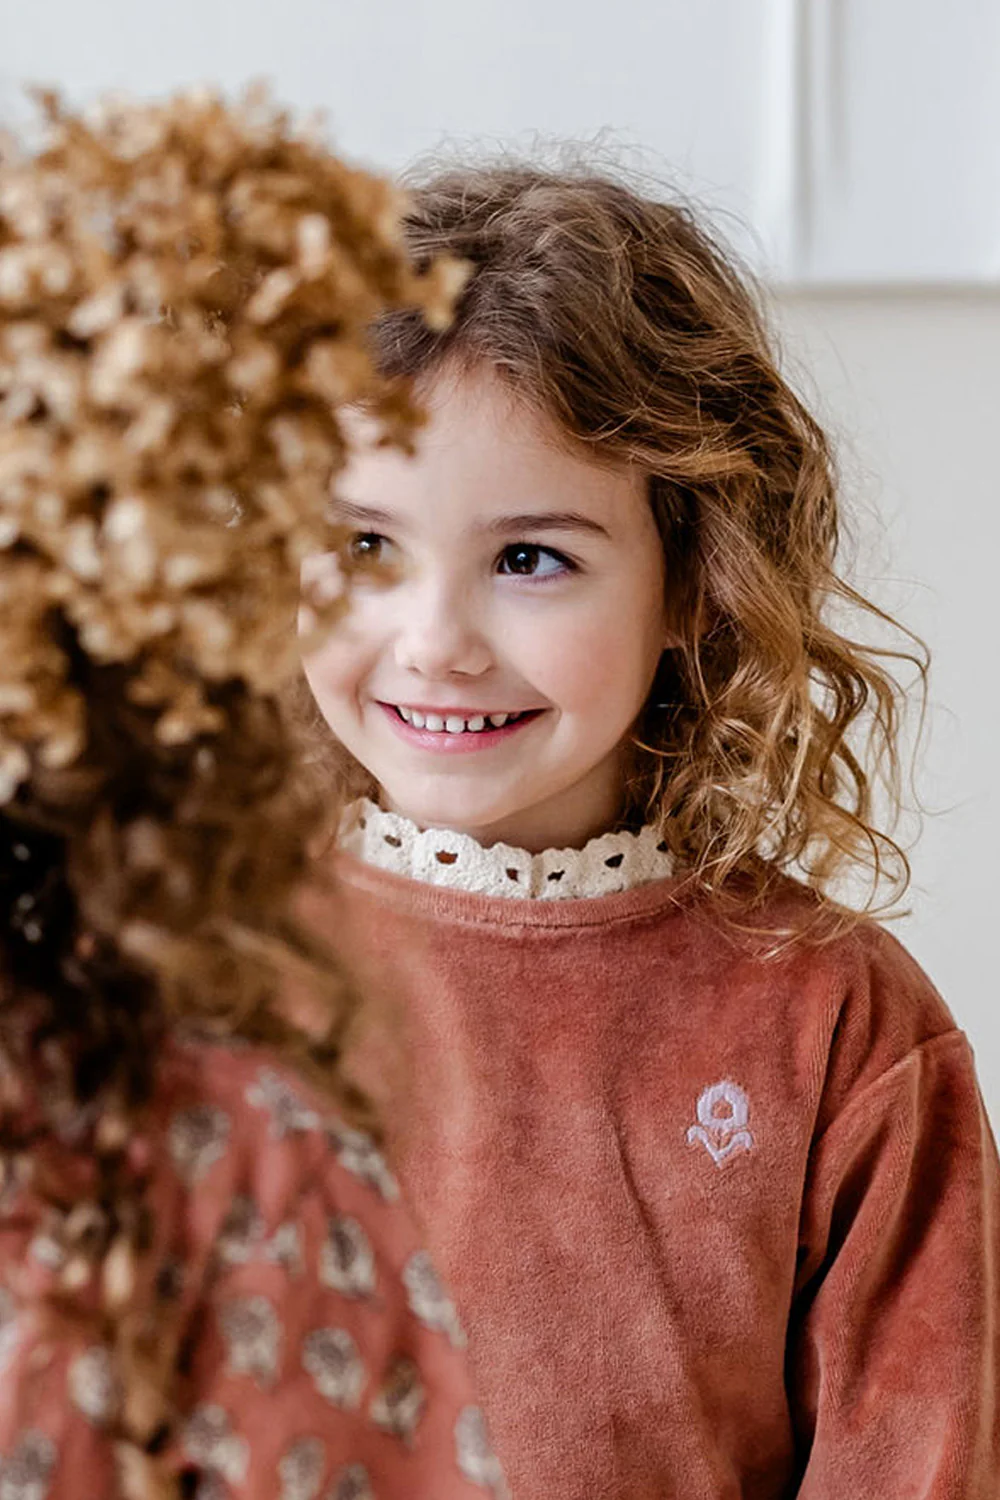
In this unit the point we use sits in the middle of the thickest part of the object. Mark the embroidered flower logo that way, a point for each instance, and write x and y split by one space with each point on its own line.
723 1113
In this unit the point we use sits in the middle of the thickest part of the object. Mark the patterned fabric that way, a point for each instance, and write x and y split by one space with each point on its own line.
439 856
325 1354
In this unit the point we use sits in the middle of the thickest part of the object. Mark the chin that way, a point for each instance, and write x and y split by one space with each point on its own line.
442 808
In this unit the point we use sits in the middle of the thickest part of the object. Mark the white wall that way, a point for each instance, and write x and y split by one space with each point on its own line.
395 76
911 384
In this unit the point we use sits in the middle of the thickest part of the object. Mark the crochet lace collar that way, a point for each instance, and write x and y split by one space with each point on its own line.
438 856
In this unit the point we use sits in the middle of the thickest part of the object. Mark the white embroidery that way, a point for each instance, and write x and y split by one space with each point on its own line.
476 1458
26 1473
331 1357
198 1138
723 1134
209 1440
93 1387
275 1095
10 1329
353 1484
429 1300
251 1331
346 1258
300 1469
284 1248
356 1152
399 1403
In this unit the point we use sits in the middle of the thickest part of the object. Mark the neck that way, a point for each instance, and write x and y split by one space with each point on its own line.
580 812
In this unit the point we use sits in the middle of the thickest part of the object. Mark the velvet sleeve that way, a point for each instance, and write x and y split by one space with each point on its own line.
893 1364
328 1359
322 1359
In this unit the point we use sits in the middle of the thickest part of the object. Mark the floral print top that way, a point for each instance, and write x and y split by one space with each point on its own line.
323 1359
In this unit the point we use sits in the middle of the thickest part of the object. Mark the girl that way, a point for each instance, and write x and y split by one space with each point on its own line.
208 1285
701 1154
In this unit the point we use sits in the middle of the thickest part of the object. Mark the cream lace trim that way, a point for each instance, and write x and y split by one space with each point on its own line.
438 856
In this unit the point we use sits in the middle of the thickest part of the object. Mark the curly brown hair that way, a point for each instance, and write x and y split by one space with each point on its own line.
623 321
184 290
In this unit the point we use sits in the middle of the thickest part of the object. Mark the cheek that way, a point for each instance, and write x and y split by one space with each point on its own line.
601 662
336 669
353 645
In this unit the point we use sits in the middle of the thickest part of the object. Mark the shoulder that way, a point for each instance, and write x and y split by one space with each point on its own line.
891 1022
835 997
859 995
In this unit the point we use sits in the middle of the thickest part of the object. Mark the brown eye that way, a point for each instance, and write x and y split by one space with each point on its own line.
365 547
525 560
520 559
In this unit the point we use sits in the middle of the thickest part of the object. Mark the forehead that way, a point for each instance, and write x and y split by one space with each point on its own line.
481 452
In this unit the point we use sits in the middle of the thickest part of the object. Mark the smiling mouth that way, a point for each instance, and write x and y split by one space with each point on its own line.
455 724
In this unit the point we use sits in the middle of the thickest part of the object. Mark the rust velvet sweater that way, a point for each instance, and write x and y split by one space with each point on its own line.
719 1224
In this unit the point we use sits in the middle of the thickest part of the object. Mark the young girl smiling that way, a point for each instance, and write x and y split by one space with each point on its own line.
701 1154
492 688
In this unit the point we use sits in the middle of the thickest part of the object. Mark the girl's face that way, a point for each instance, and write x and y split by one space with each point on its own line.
504 640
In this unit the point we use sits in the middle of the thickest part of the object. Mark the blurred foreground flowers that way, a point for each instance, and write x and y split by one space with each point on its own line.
184 293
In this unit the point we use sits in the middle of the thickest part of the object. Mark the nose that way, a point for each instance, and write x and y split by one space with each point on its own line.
438 635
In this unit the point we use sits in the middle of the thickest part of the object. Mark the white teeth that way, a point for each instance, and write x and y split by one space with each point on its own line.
451 724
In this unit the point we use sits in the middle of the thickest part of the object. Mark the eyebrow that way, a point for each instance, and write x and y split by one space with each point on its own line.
551 520
521 523
364 515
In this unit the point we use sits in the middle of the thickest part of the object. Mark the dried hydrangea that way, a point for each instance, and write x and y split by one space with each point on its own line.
184 293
